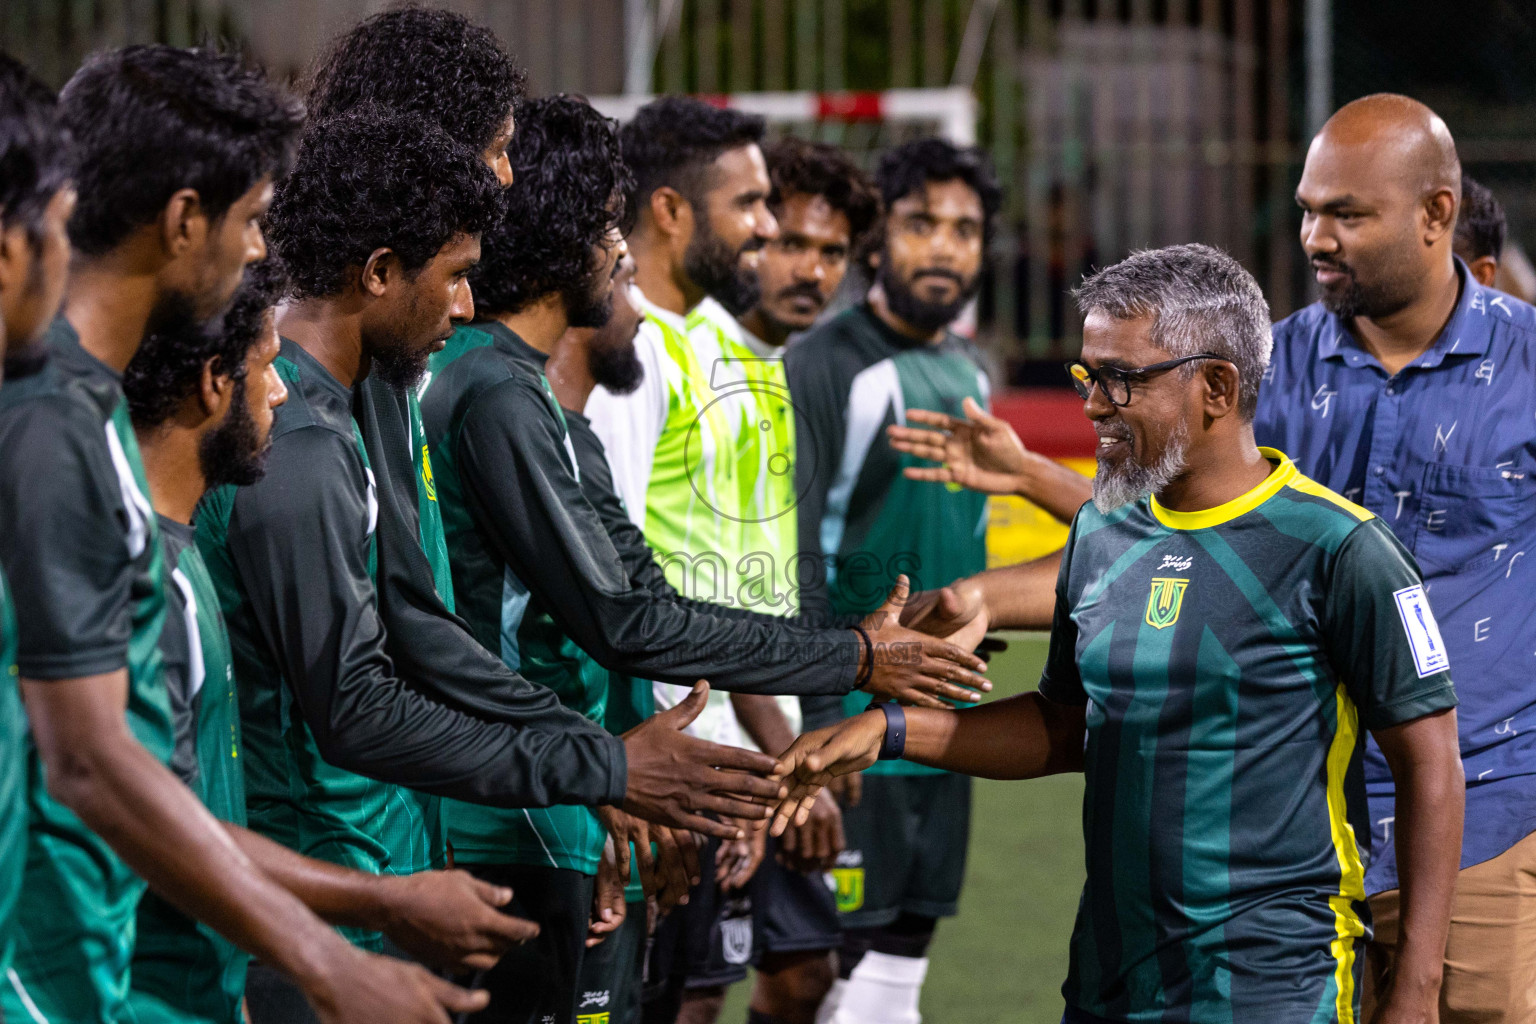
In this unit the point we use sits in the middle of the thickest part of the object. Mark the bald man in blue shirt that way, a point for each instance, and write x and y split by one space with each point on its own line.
1411 389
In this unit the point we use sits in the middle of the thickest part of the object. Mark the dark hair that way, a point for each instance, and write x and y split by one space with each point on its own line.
568 174
149 120
168 368
673 140
432 62
821 169
376 179
33 148
1480 224
912 165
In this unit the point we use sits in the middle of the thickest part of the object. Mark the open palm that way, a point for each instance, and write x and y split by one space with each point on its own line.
980 452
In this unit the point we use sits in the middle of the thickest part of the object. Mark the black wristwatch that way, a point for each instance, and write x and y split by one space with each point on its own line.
895 741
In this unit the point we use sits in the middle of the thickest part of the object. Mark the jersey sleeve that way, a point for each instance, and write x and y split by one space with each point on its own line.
630 425
820 399
1060 681
1380 633
65 543
299 541
527 503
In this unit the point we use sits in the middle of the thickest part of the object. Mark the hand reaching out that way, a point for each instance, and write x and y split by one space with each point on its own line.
452 920
818 757
916 668
608 907
981 452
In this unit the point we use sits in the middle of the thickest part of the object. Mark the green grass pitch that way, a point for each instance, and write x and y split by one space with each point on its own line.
1003 959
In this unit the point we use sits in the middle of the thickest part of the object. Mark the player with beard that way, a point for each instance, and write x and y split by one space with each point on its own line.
36 199
1220 647
161 248
1409 388
518 523
202 410
865 522
379 274
825 206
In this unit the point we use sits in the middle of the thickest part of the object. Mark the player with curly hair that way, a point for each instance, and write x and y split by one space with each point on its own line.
174 152
516 517
378 226
431 62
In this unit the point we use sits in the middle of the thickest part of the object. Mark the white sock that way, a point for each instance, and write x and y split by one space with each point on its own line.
829 1003
883 989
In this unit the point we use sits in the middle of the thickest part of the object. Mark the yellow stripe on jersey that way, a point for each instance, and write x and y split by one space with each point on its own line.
1346 921
1308 486
1284 472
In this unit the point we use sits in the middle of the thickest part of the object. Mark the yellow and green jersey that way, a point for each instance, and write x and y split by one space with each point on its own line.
1231 662
184 972
81 550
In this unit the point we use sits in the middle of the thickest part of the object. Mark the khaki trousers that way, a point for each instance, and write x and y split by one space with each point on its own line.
1490 957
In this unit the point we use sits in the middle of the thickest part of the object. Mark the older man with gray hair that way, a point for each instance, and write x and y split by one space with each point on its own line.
1226 631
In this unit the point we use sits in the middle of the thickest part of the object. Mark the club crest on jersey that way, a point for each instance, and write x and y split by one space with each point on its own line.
1165 600
592 1018
849 889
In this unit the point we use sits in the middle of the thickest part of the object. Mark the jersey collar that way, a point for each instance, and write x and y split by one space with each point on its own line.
1284 472
655 312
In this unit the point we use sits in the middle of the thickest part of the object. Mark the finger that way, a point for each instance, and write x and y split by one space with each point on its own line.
898 595
946 651
974 411
920 698
512 929
929 474
453 998
932 418
479 961
495 895
688 849
686 710
940 671
717 755
853 792
710 827
621 858
931 687
730 807
789 843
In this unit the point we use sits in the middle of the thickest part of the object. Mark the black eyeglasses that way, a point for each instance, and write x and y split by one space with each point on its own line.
1115 382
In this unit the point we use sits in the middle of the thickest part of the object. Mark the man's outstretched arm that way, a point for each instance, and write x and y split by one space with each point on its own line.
101 772
1021 737
1425 759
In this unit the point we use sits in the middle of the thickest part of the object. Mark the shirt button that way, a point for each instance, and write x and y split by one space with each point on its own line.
1391 389
1379 470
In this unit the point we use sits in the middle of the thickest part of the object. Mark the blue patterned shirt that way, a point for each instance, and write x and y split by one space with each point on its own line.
1445 453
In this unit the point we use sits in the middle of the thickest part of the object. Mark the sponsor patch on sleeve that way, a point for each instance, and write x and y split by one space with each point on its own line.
1423 632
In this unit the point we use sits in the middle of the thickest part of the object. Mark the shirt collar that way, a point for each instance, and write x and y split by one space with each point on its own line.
1463 335
512 343
655 312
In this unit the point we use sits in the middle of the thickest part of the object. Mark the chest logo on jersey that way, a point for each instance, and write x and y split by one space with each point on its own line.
1165 601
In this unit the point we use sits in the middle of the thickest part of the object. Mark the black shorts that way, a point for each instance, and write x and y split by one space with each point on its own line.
705 942
792 912
907 841
539 981
611 973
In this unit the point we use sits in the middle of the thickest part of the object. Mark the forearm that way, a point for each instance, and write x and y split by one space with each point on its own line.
1021 737
338 895
1431 793
170 840
764 722
1021 596
1056 488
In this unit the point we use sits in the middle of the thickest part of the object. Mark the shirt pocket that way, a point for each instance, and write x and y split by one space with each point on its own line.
1471 517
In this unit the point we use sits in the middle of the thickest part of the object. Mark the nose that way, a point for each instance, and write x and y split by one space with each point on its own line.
257 250
1317 238
767 226
462 311
278 394
1096 406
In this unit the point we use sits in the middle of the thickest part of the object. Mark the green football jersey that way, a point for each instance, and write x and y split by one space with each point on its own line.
501 612
82 553
1231 662
13 777
859 515
184 972
294 795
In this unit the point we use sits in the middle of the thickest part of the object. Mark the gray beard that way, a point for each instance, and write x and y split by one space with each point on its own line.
1131 481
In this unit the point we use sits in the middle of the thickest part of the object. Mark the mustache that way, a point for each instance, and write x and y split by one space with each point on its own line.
754 244
1324 263
939 272
1113 432
808 291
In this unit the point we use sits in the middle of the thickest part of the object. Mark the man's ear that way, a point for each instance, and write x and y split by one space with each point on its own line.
183 222
1484 270
1222 388
215 391
379 272
15 250
1439 214
672 213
